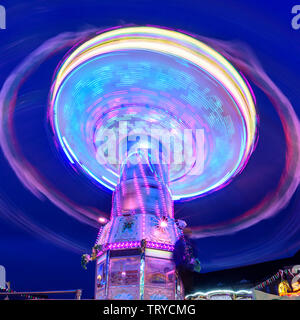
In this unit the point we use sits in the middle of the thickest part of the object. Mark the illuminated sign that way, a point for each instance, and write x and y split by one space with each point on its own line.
222 295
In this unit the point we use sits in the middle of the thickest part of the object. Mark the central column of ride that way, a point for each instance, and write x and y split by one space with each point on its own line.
136 245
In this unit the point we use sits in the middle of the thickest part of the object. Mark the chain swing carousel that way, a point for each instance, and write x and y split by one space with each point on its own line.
109 96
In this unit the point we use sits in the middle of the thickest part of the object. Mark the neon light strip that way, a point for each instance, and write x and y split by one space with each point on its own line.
225 291
137 244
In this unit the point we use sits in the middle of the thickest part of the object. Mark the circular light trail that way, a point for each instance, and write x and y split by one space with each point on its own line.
41 185
156 78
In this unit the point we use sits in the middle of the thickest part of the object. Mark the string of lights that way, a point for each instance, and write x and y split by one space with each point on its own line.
275 277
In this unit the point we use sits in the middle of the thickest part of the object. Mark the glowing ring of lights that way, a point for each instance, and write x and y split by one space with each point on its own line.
186 84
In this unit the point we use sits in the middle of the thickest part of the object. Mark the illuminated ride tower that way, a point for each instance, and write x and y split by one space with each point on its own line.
153 80
138 241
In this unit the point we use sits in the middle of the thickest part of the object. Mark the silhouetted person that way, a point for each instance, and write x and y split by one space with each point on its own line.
184 255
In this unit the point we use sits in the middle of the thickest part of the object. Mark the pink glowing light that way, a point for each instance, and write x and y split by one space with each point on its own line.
102 220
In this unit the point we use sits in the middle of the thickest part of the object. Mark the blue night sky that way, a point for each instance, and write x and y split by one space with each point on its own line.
32 261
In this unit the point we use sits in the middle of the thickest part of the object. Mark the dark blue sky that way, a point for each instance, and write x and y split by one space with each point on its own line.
34 263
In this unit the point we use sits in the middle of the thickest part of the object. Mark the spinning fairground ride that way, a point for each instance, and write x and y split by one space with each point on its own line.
155 116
